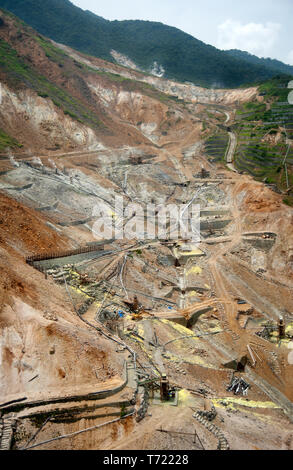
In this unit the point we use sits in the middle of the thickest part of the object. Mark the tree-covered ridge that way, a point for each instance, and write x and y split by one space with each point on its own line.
275 65
183 57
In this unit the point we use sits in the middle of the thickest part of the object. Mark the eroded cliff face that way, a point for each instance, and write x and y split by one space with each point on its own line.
124 60
42 85
184 91
196 94
37 123
56 98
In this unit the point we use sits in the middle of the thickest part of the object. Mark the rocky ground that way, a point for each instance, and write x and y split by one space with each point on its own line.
67 358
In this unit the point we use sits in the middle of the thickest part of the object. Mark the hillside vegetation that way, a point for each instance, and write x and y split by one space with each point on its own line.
30 61
7 142
183 57
263 131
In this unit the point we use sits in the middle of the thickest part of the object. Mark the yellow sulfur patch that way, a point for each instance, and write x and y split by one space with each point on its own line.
194 359
184 331
79 291
194 270
113 215
196 252
289 328
184 397
286 343
192 294
242 402
140 330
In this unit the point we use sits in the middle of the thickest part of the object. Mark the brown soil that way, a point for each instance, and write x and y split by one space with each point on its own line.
152 150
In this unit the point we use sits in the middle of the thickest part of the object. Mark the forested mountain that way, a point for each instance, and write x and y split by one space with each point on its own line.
273 64
183 57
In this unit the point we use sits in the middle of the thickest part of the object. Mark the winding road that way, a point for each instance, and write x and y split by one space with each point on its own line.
232 147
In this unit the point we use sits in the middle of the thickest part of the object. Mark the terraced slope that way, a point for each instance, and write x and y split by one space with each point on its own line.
264 131
216 146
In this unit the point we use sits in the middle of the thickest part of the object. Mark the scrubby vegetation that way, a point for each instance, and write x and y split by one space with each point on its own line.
7 141
23 75
66 85
53 53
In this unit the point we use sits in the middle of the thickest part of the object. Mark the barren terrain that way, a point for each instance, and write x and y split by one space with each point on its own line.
76 374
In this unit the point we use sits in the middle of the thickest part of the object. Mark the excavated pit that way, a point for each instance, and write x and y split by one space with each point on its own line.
74 343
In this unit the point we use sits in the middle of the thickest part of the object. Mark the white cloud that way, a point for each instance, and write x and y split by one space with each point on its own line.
256 38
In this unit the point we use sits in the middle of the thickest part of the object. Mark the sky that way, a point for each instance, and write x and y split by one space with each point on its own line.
261 27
